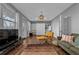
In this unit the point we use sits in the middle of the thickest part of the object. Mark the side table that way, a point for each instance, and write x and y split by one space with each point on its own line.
59 37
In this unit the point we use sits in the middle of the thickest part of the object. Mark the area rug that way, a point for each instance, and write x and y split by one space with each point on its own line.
41 49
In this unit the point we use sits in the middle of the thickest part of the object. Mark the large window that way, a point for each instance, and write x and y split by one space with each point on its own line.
9 19
8 24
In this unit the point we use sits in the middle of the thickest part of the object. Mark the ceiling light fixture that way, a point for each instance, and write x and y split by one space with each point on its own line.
41 17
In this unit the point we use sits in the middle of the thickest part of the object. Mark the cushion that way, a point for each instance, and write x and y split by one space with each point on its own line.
75 50
67 38
66 44
63 38
76 43
40 37
70 39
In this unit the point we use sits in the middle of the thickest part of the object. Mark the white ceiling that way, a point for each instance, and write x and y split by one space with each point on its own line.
50 10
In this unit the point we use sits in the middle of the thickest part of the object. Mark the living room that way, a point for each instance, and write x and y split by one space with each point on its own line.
17 31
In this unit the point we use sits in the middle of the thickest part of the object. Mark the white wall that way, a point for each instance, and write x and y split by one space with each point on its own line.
55 26
24 27
20 25
73 12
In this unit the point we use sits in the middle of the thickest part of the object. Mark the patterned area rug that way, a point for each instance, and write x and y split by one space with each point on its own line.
30 47
42 49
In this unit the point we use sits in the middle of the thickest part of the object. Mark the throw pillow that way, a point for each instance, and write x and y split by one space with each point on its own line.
63 38
67 38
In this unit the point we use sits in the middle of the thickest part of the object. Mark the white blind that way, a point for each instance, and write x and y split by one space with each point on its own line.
40 28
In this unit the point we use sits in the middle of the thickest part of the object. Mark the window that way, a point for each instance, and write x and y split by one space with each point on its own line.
9 19
8 24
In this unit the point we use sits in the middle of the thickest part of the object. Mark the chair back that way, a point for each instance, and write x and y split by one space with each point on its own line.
49 34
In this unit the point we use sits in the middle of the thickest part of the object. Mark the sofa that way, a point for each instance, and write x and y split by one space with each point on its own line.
72 49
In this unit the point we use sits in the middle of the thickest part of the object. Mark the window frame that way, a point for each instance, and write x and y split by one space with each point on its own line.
5 12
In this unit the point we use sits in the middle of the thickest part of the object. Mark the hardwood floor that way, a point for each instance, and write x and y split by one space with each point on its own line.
36 49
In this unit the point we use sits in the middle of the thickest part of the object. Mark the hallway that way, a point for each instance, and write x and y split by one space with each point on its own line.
36 49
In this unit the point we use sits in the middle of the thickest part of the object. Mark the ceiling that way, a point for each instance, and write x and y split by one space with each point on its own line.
50 10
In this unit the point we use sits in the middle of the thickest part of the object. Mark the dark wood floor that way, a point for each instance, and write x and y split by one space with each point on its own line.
36 49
